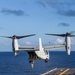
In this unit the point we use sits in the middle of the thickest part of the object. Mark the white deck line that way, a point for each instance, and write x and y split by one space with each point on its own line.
49 71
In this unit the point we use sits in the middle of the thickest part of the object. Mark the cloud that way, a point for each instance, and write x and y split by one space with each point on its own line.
73 41
62 7
66 13
5 43
1 27
64 24
62 41
28 43
59 41
14 12
41 3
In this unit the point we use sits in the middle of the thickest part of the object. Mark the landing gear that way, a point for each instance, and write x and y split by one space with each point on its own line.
46 60
32 63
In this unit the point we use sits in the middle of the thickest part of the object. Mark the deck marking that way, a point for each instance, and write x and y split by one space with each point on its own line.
64 71
49 71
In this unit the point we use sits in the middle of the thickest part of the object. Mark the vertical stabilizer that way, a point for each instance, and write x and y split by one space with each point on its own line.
40 44
42 54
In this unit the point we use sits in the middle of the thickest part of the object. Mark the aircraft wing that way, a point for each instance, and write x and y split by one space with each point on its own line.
54 47
27 48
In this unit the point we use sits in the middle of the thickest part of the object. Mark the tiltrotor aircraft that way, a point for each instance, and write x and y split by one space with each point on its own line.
41 53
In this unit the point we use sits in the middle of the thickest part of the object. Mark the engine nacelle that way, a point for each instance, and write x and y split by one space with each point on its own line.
15 46
67 46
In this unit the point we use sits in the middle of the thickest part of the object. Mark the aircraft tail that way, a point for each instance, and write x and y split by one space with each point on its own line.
40 44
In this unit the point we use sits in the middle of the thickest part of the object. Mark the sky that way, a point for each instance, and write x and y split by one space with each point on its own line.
24 17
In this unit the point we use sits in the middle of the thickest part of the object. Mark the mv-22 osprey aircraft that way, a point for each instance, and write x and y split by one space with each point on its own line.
41 53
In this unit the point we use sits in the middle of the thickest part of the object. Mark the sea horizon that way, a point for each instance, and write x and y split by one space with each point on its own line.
11 65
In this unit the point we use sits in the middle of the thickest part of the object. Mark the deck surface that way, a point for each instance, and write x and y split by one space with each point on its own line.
61 71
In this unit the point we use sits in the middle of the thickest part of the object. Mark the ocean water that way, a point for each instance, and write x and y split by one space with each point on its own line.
11 65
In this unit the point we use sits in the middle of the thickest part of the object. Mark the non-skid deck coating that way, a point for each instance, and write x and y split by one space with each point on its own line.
61 71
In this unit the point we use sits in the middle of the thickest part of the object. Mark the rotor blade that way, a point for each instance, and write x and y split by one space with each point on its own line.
72 32
6 37
72 35
57 34
19 37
